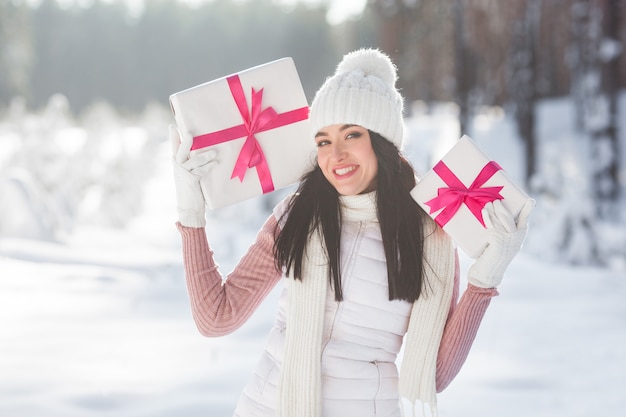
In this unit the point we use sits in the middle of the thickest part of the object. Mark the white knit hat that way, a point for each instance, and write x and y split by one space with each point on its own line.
362 92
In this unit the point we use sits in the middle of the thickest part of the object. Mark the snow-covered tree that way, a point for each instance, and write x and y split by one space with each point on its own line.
57 172
595 84
588 218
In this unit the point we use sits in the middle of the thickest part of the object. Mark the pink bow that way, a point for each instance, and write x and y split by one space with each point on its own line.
257 120
475 197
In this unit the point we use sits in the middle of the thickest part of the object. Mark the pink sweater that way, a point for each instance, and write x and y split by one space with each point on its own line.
220 307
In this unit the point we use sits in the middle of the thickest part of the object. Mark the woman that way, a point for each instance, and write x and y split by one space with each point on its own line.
366 271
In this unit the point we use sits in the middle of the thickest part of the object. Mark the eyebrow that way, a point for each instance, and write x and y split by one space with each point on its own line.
341 129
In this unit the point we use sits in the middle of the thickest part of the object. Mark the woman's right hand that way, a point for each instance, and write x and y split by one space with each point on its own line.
505 237
188 169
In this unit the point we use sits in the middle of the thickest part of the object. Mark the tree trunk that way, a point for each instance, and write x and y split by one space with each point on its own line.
595 87
524 80
462 67
605 144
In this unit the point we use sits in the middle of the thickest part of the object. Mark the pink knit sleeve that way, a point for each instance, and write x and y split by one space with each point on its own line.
220 307
461 328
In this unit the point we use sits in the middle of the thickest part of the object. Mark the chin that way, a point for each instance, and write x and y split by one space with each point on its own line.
348 190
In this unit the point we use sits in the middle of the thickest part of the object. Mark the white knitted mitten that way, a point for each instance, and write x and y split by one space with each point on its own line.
188 169
504 242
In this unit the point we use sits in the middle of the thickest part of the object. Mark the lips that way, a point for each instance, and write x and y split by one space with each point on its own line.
344 170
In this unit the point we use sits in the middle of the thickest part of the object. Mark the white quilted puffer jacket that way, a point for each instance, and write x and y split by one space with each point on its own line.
361 340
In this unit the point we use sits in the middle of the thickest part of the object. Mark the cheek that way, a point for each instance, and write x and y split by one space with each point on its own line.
369 156
375 167
373 172
323 155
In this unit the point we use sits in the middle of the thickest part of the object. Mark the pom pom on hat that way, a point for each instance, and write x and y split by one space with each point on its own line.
362 92
370 62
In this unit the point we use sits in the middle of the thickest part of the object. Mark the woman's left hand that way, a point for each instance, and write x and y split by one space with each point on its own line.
505 239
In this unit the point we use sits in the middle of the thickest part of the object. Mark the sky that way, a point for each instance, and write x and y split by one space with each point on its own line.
338 12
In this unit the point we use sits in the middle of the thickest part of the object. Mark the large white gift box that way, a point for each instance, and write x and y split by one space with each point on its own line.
457 188
257 122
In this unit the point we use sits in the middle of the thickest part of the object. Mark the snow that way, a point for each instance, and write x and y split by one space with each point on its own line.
95 320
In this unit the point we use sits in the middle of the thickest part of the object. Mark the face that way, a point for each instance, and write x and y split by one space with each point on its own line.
346 157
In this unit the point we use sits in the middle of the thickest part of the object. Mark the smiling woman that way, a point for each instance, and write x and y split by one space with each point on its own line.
366 271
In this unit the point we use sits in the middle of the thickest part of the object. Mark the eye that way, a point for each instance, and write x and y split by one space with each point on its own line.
322 142
354 135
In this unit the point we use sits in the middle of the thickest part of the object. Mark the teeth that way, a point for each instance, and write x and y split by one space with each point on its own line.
344 171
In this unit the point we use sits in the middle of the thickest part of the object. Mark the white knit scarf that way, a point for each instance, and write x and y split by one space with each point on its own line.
299 388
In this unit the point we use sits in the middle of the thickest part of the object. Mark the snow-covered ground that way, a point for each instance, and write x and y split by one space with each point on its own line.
99 324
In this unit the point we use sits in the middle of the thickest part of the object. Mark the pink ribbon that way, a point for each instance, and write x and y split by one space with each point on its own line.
257 120
475 197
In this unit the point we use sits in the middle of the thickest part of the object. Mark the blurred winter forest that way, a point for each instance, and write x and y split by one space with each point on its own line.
84 88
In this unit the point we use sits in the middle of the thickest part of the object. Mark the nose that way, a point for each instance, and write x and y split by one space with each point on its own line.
339 151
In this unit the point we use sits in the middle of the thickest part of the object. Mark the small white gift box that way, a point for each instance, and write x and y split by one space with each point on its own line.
257 121
454 192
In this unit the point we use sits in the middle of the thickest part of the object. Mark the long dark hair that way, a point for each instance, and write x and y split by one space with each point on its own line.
316 205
